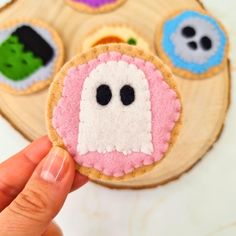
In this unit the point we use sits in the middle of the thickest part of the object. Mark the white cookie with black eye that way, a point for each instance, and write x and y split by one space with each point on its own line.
196 40
193 44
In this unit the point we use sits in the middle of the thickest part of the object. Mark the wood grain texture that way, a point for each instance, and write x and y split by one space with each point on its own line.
204 101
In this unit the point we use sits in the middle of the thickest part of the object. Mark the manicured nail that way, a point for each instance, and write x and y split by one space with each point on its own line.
55 165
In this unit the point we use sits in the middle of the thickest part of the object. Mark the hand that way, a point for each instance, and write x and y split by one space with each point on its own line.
34 184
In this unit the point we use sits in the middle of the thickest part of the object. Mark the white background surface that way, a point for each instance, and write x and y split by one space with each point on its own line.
202 202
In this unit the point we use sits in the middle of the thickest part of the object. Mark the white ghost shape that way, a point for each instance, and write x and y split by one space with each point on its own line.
115 126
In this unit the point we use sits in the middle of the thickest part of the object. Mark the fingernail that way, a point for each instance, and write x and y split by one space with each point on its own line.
55 165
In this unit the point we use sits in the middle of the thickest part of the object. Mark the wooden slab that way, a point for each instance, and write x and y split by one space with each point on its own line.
205 101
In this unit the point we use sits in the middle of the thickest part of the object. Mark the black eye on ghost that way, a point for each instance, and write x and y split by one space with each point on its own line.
127 95
104 95
205 42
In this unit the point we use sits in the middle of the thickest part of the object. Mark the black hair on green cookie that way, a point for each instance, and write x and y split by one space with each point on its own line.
23 53
33 42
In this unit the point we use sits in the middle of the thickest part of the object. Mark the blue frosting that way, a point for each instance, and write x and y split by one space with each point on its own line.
169 28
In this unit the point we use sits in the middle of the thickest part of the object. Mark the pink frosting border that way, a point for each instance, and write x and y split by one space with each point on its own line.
165 109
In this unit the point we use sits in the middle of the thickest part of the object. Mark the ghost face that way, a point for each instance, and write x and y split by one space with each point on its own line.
194 43
196 40
116 114
115 110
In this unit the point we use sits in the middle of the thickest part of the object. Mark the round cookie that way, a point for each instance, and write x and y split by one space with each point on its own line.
95 6
113 33
31 52
193 43
116 109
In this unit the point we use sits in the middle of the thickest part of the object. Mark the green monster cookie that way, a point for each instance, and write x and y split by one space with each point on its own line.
16 63
29 56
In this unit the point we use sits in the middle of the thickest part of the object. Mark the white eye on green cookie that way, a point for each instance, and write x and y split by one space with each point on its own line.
29 54
193 43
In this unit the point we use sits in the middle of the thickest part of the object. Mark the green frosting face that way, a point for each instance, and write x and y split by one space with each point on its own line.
15 62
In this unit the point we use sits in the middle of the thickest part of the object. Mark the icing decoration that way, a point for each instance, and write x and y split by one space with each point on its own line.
95 3
114 39
116 113
33 42
108 39
24 52
132 41
30 53
95 6
15 62
103 94
113 33
193 43
127 95
117 126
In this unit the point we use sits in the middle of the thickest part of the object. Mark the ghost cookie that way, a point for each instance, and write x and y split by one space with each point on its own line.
95 6
31 53
113 33
116 109
193 43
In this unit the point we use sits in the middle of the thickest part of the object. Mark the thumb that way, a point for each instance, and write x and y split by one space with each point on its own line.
42 198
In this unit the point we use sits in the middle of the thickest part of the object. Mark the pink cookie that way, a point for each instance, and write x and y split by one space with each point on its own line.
116 110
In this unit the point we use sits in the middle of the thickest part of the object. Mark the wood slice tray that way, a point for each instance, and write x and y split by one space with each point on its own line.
205 101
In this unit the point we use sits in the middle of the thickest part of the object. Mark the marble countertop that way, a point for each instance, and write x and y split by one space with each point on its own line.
200 203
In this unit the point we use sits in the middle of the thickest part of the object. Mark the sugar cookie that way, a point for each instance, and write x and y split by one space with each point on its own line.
193 43
31 53
116 109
